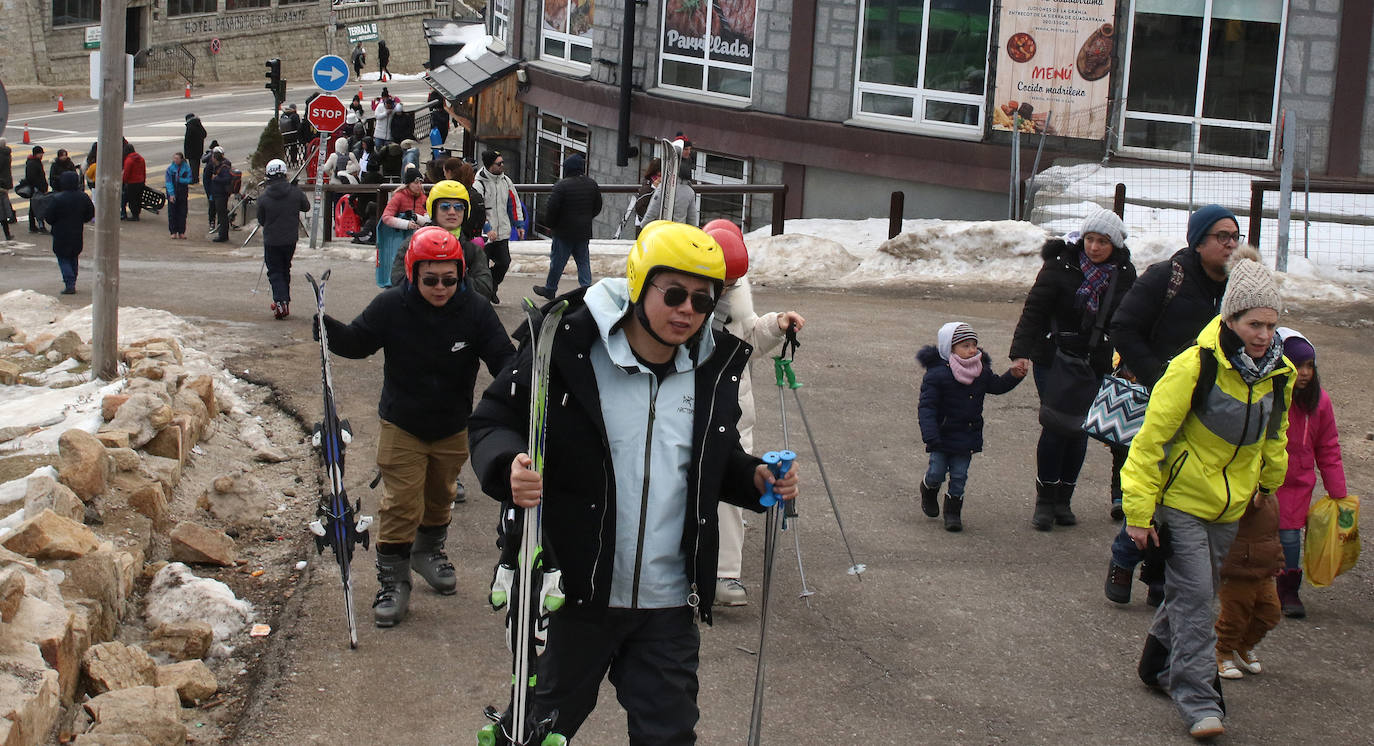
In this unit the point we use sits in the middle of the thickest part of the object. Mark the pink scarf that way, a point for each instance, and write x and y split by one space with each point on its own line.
966 371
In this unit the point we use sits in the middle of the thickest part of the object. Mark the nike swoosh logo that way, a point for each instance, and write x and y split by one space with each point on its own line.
458 346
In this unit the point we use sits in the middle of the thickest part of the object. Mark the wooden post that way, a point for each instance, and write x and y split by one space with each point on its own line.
1119 201
895 208
108 172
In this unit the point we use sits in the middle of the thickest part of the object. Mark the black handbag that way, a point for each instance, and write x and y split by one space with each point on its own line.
1073 383
24 189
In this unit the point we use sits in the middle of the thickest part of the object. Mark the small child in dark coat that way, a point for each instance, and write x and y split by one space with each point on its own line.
958 376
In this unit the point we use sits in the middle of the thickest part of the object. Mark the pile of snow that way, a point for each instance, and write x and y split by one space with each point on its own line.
390 77
179 595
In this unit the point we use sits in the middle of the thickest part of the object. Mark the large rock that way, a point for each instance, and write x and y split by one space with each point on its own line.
11 592
192 680
182 641
196 544
50 625
114 665
204 387
40 344
142 415
237 499
99 578
165 470
110 405
44 493
160 389
162 348
148 499
9 373
113 439
170 442
50 536
189 403
30 699
125 459
151 712
82 463
66 344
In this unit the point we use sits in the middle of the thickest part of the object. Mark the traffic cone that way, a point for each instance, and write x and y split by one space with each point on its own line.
26 133
188 90
360 91
60 107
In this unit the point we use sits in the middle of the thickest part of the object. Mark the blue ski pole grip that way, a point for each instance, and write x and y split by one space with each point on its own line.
778 462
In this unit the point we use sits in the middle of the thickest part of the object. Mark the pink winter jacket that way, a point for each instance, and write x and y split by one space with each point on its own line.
1312 442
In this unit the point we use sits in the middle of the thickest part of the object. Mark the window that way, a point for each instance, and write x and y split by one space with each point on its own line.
924 62
498 21
295 2
1204 77
75 12
710 168
557 138
566 34
721 61
246 4
189 7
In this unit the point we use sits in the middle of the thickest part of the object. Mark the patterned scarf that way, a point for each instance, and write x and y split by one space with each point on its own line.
1095 279
1253 370
966 371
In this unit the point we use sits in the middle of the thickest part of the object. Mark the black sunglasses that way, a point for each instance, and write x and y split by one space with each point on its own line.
676 295
430 281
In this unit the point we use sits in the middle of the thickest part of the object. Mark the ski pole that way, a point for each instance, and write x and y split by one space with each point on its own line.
782 369
775 461
785 373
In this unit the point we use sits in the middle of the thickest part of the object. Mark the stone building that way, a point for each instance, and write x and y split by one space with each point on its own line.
203 41
846 101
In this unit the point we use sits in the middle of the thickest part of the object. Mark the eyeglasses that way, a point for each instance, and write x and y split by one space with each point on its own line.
450 206
1224 237
499 163
676 295
430 281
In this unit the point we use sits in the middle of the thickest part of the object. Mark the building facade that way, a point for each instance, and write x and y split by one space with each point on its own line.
846 101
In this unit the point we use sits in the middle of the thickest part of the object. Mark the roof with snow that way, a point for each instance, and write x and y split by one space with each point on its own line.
477 65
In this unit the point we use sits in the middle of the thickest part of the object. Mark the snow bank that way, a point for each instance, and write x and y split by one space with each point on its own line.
178 595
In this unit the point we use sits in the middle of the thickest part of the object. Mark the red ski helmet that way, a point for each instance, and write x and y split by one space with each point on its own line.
726 224
732 246
433 244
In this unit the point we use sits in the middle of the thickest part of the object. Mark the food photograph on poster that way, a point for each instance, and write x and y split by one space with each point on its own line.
1054 67
569 16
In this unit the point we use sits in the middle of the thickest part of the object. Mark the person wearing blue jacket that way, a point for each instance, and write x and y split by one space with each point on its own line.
958 377
179 177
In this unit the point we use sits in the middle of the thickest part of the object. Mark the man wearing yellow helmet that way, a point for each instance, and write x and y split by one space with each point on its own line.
641 424
447 206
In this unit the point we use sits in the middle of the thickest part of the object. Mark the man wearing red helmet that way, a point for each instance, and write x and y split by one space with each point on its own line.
435 332
735 314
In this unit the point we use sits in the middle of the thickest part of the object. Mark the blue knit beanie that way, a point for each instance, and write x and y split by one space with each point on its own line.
1203 220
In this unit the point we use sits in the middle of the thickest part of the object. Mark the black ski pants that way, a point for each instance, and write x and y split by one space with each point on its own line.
278 258
222 217
498 253
652 656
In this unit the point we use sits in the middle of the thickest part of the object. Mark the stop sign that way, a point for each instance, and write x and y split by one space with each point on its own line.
326 113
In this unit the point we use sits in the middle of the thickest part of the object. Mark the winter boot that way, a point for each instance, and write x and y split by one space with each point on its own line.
1152 575
1043 519
1118 587
1062 515
393 593
1154 660
953 507
427 557
930 499
1289 583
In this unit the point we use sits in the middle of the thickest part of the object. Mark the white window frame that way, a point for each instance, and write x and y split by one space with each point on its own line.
567 40
702 176
920 95
561 139
1197 120
705 61
498 20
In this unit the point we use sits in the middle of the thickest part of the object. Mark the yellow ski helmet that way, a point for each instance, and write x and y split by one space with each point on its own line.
448 189
665 245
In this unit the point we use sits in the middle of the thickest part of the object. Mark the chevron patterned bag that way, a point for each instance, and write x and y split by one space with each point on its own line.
1117 411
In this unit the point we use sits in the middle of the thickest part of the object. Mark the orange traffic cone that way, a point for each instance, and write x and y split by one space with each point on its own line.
60 107
360 91
26 133
188 90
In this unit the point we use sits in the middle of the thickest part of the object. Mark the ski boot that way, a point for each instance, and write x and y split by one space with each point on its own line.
953 507
1043 519
393 595
929 495
1062 514
427 557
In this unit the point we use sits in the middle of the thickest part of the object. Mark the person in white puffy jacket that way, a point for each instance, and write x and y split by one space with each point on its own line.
735 314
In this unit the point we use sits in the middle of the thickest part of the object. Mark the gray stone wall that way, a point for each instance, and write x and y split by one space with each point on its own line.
22 37
832 83
1309 74
772 37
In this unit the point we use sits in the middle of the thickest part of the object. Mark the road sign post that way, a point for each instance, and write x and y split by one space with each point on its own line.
325 113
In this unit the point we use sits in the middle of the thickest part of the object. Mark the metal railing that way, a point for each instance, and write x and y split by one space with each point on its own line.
164 60
778 192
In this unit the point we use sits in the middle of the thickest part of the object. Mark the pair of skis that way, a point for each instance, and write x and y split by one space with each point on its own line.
338 523
672 163
527 581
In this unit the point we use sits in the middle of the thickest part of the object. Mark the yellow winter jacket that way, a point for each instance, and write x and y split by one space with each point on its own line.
1207 463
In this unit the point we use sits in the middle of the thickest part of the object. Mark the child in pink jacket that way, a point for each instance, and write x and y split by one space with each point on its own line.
1312 443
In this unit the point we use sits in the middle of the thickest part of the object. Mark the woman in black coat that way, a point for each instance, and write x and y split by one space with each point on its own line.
1068 309
68 211
33 174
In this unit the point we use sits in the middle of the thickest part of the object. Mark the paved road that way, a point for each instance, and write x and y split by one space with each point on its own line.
996 635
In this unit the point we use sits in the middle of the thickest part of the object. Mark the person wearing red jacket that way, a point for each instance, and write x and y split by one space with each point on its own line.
135 174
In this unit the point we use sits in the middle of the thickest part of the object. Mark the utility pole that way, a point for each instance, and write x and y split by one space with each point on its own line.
108 170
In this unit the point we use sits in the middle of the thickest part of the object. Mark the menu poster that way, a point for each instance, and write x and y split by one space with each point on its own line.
1054 65
731 37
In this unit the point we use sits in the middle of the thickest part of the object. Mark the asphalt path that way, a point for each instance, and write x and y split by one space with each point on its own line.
1000 634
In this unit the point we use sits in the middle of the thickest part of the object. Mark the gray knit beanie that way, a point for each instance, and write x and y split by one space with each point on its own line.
1106 223
1249 285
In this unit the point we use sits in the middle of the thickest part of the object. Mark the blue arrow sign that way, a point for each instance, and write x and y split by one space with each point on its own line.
330 73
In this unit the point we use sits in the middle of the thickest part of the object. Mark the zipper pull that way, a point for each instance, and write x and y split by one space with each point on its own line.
694 598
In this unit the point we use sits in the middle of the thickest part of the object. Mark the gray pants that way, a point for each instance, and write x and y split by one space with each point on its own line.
1185 621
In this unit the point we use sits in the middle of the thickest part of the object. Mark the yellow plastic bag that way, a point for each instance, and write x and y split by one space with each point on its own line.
1333 539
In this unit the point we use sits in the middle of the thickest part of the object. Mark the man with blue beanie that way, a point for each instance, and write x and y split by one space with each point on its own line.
1160 317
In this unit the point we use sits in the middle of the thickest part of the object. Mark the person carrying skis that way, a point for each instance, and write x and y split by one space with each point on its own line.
434 332
641 423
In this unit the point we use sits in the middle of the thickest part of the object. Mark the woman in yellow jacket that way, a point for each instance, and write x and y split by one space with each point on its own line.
1204 450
